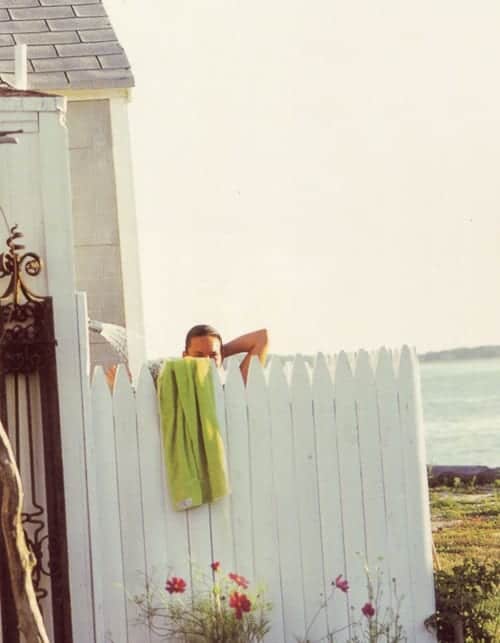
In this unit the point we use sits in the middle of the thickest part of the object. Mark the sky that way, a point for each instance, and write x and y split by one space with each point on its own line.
328 170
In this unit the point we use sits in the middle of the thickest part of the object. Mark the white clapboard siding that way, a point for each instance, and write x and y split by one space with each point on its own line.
306 488
130 498
108 518
326 468
264 524
420 535
285 493
395 488
329 493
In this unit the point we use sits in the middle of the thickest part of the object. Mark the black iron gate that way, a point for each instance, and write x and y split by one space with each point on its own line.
29 411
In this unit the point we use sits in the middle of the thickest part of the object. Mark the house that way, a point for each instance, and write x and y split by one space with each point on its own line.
73 51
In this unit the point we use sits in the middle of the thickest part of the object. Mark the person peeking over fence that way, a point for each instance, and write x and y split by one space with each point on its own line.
205 341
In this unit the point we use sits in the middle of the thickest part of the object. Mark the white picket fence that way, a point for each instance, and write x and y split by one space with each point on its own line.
327 469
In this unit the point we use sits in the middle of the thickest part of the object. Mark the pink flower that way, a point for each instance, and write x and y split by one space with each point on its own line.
175 585
239 580
240 603
341 583
215 566
368 610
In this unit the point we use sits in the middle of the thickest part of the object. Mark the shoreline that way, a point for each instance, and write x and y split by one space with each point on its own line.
447 474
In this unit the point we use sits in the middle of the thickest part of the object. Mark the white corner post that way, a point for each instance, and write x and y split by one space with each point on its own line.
129 243
57 223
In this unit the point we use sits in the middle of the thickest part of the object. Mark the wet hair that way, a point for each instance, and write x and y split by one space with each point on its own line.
202 330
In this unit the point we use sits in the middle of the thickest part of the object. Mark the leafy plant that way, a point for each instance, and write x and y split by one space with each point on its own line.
468 598
223 610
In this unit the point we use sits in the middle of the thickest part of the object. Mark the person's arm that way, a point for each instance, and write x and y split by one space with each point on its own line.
255 343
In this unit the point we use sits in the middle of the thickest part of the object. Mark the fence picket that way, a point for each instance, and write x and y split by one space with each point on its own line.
178 554
238 454
285 485
350 480
90 460
394 486
220 511
263 511
307 497
420 535
372 477
108 518
329 493
130 499
153 484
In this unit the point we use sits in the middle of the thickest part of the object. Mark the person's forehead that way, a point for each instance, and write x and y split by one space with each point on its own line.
205 341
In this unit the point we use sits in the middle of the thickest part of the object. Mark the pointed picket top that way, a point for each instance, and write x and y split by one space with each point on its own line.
322 381
256 381
344 365
374 357
122 384
267 367
396 359
99 381
277 381
145 383
344 387
216 380
363 370
234 380
384 371
300 373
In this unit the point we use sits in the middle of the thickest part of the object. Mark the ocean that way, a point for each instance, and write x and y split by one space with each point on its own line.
461 402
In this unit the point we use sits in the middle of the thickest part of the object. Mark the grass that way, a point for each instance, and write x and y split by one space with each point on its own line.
466 523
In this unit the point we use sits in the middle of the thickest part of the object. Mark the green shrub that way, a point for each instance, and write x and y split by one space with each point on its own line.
468 594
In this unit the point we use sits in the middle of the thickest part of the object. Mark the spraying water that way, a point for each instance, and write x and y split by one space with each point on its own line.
115 335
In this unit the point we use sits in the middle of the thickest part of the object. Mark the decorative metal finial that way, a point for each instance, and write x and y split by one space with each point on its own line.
13 263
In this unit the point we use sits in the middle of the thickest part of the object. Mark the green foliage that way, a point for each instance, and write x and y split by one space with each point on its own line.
468 593
211 613
466 524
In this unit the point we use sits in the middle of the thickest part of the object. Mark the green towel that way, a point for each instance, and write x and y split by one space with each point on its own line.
193 448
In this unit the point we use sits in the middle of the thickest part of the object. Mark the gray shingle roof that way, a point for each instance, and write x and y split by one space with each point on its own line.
71 44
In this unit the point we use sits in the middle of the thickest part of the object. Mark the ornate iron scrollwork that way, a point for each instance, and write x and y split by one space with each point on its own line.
12 263
24 331
26 346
